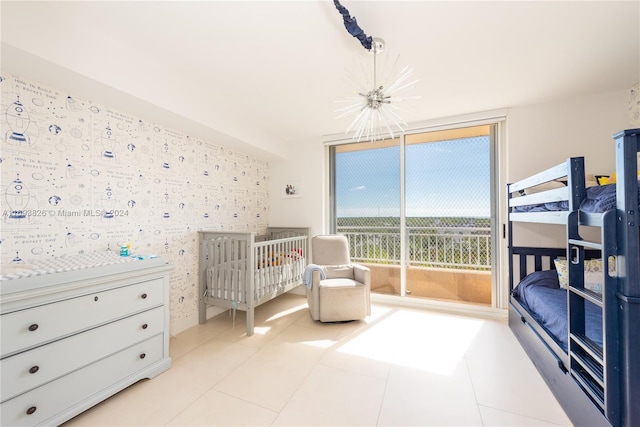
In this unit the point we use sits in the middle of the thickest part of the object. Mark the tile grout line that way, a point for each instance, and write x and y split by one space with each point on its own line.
473 387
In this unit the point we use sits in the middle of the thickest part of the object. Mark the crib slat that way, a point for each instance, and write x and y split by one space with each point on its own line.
242 267
218 247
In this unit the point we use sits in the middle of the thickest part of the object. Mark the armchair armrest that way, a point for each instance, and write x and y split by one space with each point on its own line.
313 296
362 274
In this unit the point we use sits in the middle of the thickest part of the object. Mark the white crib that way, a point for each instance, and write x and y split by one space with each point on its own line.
240 271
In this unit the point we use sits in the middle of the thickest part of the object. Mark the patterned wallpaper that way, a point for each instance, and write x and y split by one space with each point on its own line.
77 176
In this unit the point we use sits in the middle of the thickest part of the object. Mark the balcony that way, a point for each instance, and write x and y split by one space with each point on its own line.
445 263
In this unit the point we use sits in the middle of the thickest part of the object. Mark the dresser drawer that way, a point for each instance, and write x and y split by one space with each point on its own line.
30 369
37 406
34 326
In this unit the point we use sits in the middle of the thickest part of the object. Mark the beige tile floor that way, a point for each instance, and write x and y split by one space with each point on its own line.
399 367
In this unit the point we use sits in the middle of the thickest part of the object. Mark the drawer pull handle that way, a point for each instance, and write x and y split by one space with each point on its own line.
145 326
31 410
33 327
142 356
95 298
34 369
144 296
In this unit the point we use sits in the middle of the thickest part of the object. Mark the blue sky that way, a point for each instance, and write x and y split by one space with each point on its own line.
447 178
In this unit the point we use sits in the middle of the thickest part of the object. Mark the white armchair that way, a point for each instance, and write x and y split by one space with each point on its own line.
344 293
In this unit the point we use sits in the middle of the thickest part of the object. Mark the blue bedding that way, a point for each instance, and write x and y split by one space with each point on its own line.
541 295
600 198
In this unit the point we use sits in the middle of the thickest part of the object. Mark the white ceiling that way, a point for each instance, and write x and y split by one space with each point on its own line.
269 73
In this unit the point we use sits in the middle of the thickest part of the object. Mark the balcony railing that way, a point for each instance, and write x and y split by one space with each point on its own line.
467 248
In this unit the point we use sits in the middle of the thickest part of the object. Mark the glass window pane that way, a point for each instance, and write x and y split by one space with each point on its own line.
448 228
367 197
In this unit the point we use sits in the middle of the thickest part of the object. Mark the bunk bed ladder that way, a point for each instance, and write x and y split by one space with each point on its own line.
595 368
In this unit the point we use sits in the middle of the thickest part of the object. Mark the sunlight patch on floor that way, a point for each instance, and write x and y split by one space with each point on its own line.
319 343
261 330
284 313
416 340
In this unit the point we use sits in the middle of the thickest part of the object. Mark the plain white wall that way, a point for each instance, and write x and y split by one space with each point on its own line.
543 135
305 165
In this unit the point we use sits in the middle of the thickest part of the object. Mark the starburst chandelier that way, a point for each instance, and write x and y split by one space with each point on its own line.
375 106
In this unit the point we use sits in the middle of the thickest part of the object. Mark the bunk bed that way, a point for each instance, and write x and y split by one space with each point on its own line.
240 271
581 336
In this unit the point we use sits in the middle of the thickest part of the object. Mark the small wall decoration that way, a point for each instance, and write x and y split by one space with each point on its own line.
291 188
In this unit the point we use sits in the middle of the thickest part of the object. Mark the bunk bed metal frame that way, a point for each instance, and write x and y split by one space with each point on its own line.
595 385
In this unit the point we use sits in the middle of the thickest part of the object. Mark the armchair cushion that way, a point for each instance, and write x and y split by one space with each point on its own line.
339 283
330 250
338 271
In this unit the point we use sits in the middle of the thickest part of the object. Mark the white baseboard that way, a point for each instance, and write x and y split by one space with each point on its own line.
181 325
298 290
443 306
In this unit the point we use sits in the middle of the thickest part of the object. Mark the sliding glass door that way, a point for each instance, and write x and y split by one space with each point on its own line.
417 211
448 215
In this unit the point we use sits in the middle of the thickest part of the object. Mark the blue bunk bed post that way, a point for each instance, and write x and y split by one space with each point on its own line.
575 181
627 145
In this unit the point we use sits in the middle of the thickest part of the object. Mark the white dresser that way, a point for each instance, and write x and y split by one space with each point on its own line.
71 339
